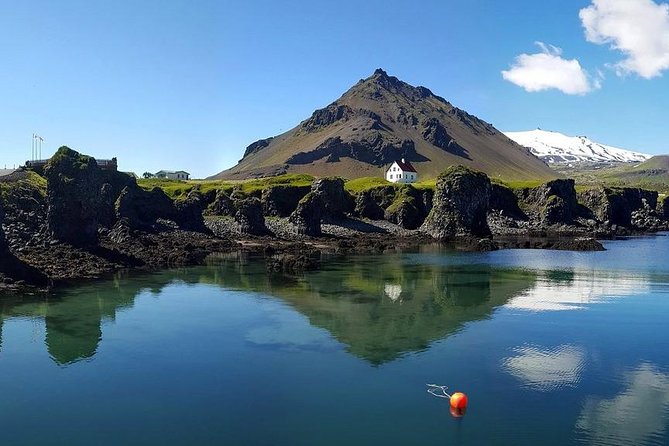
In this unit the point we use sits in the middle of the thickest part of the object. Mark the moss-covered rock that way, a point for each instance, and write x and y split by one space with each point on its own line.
140 209
336 201
309 215
503 200
663 207
249 216
407 210
460 206
190 212
615 205
222 205
281 200
372 203
554 202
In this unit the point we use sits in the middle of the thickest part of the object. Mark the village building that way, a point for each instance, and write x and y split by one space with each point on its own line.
401 172
173 174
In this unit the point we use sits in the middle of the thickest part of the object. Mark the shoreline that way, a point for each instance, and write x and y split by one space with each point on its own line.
79 222
150 252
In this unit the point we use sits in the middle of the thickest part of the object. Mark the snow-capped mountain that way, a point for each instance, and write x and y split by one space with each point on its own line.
554 147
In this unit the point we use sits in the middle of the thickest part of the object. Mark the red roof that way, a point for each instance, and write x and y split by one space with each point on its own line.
406 166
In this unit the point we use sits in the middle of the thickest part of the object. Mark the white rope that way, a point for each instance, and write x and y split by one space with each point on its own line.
438 391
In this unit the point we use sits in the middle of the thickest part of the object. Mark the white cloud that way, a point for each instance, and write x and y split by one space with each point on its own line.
546 370
638 415
548 70
639 29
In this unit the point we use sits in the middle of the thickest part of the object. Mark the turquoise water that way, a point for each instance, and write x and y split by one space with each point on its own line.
551 348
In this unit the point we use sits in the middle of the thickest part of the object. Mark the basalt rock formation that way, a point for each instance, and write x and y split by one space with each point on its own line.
553 202
336 202
309 214
222 205
189 212
460 206
282 200
249 216
615 206
141 210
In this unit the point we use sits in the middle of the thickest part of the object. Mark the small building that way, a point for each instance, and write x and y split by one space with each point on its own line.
401 172
173 174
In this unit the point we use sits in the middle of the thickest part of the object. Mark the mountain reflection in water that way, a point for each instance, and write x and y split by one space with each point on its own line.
379 307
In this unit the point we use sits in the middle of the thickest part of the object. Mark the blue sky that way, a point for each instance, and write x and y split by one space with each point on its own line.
188 85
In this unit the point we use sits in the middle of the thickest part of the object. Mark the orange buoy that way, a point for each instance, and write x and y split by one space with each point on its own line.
459 400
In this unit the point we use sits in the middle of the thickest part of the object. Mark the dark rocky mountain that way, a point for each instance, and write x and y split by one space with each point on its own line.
382 119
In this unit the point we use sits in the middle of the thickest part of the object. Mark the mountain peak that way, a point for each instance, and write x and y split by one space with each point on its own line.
382 119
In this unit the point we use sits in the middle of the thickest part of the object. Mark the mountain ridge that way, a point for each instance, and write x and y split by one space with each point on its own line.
379 120
556 147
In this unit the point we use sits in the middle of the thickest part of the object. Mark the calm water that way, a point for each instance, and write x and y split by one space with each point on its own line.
551 347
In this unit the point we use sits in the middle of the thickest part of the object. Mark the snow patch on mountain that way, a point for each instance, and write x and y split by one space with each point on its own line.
554 147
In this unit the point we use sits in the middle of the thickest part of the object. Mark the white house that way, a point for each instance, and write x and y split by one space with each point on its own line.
173 174
401 172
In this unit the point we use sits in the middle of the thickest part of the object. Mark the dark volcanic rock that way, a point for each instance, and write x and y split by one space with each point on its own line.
281 200
140 209
309 215
408 209
328 115
336 202
74 195
663 207
257 146
615 206
190 212
460 205
4 247
436 134
371 203
249 216
556 200
367 207
222 205
376 148
503 199
81 196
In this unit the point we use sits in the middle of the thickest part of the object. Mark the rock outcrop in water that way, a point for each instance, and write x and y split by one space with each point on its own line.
460 206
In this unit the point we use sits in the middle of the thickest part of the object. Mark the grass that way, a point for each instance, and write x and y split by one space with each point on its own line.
366 183
259 184
32 180
516 185
176 189
173 188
